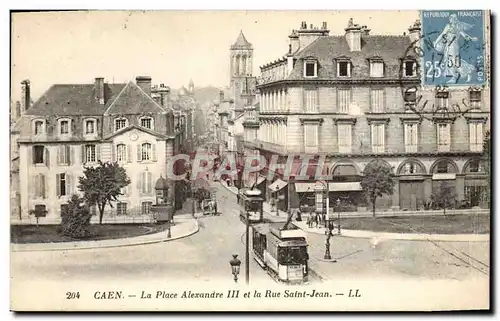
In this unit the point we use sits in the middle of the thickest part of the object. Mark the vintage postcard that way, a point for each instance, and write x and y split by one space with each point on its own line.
250 160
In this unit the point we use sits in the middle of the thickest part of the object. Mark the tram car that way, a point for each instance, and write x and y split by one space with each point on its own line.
250 202
282 252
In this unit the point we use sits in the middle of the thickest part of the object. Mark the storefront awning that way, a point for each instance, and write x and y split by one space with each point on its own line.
304 187
443 176
345 187
277 185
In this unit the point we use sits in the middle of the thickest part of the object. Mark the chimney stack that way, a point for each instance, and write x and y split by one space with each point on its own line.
305 36
99 90
353 36
144 82
415 31
324 27
25 95
161 94
365 31
221 96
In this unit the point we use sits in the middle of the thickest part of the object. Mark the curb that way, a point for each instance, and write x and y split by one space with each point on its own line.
95 246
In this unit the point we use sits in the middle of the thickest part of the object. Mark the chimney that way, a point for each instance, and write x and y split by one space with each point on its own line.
353 36
25 95
221 96
294 42
144 82
161 94
365 31
307 36
99 90
415 31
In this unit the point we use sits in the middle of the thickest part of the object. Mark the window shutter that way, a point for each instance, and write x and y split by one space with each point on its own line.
113 152
382 137
150 179
42 185
472 134
129 153
407 134
60 154
36 187
69 185
139 183
414 67
58 185
30 154
139 158
404 69
98 152
153 152
479 136
47 157
68 154
349 136
83 155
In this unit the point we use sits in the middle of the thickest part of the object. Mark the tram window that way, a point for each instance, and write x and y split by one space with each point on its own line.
292 255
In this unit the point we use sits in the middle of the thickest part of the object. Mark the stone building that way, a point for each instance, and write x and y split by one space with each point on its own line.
72 126
345 99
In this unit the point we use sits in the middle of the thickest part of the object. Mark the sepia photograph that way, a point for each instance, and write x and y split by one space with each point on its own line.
332 160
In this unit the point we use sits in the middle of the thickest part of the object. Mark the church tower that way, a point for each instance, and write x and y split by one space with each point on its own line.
191 87
242 82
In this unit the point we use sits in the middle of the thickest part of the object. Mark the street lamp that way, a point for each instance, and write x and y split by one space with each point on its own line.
253 200
235 267
338 213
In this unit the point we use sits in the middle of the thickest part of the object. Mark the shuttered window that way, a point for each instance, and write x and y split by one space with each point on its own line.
443 137
39 185
121 208
146 152
344 137
311 135
377 100
63 154
411 138
121 153
476 136
378 138
146 183
311 100
344 100
376 69
146 207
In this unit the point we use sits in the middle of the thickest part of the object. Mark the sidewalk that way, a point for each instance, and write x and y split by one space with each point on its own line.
184 226
370 234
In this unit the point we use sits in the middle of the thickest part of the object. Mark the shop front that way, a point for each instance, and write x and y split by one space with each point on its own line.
411 176
475 184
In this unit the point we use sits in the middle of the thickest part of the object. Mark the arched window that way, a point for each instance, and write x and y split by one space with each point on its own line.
444 166
146 152
411 167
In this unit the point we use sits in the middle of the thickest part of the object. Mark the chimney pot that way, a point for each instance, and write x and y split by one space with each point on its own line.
324 25
144 82
221 95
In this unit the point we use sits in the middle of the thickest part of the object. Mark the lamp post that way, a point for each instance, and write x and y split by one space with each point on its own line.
235 267
338 213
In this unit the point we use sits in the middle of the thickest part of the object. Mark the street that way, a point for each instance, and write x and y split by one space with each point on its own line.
205 256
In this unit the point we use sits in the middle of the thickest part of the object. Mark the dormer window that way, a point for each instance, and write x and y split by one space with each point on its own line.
39 127
409 68
147 122
475 99
90 126
376 68
310 68
120 123
64 127
343 68
442 99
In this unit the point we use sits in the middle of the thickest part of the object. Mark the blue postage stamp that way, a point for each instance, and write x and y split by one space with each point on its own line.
453 47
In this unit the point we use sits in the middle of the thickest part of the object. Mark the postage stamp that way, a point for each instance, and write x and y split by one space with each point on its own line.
453 47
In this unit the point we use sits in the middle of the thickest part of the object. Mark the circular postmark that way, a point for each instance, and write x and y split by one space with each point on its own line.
427 65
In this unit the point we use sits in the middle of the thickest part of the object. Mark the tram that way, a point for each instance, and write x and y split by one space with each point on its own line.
281 251
250 206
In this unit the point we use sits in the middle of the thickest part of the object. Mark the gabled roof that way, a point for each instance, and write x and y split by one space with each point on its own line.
133 100
389 48
241 42
129 128
77 99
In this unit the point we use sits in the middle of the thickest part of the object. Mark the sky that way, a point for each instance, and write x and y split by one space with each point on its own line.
169 46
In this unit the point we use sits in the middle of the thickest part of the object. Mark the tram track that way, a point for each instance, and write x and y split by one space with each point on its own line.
463 257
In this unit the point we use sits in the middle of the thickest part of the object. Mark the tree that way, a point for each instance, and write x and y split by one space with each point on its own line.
102 185
378 179
444 197
38 212
75 221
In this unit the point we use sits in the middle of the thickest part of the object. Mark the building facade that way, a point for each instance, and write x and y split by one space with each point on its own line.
73 126
350 99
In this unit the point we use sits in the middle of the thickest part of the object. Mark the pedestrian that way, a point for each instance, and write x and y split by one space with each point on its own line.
314 218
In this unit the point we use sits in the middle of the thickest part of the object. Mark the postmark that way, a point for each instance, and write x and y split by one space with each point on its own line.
452 48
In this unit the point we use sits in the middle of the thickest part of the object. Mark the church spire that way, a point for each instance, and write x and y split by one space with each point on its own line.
241 42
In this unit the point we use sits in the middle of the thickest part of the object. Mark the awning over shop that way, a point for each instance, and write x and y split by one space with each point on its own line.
304 187
260 179
344 187
277 185
443 176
